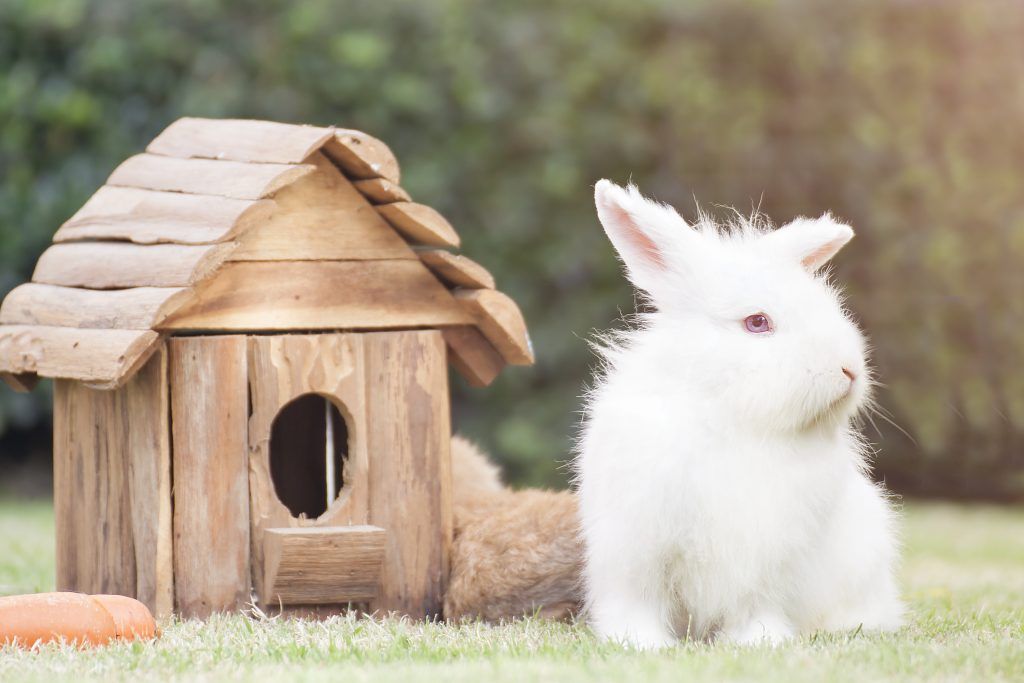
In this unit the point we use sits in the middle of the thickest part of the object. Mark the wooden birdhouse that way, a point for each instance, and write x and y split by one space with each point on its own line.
249 327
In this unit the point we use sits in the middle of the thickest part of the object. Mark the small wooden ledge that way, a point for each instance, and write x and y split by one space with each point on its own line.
322 565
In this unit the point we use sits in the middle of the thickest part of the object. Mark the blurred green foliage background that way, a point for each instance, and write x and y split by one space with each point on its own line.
903 117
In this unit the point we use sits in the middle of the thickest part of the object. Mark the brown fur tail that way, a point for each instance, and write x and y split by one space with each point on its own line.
515 553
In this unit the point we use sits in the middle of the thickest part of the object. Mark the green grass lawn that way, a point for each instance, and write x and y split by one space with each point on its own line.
963 577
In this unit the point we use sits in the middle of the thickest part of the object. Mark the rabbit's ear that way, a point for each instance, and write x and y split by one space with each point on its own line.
811 241
642 231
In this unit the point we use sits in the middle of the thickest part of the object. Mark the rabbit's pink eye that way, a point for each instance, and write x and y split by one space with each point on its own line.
758 323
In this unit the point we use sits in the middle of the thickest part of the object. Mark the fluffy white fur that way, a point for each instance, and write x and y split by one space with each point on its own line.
723 488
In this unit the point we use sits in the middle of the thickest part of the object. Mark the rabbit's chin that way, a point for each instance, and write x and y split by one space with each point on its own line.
839 411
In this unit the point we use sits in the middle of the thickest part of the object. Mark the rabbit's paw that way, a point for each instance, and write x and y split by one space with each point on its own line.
885 614
765 628
644 638
637 627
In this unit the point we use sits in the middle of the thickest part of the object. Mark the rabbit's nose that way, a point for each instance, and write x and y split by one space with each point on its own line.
849 373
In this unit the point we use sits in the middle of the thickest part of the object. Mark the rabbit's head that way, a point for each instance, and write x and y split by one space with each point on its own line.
759 329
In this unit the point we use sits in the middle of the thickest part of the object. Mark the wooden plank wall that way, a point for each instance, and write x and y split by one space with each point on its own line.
410 466
112 488
209 415
113 467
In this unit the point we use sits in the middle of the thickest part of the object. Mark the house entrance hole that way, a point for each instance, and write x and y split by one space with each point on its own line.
308 448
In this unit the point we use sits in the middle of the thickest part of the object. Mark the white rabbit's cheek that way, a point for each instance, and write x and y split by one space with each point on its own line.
760 384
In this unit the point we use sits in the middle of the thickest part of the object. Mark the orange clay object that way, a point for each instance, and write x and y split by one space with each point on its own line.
81 619
132 619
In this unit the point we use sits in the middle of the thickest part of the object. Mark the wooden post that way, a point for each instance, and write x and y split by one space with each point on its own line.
149 465
410 467
112 487
209 415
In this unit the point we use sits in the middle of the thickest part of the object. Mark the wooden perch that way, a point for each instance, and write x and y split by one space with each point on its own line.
322 565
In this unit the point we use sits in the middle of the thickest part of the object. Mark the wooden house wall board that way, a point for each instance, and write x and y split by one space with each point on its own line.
282 368
209 431
112 488
407 405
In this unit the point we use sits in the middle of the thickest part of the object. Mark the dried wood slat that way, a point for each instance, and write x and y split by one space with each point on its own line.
148 448
456 270
101 358
473 356
362 156
382 191
319 295
420 223
321 217
112 488
407 406
95 553
120 265
323 565
151 217
239 140
209 412
206 176
139 308
500 320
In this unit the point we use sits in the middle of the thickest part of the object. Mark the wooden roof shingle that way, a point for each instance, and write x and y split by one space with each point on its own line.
214 228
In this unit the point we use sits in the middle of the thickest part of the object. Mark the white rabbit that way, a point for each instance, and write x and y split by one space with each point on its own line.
723 490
